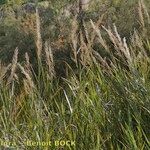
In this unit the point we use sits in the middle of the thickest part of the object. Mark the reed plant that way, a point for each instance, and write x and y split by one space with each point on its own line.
102 103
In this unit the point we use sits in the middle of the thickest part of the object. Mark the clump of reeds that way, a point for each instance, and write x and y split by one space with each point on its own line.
93 109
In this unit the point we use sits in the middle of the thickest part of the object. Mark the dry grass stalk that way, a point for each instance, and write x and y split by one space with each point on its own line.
74 38
38 34
120 44
27 60
13 66
85 52
142 9
28 80
86 33
140 12
145 11
49 59
80 43
71 110
127 52
28 66
138 46
96 26
101 40
112 37
136 40
117 34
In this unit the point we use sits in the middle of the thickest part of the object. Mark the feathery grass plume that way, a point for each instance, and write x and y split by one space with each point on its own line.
127 52
28 80
140 13
13 66
145 11
28 66
96 27
49 59
27 60
74 38
136 40
117 34
85 52
101 40
86 33
120 45
38 35
137 45
112 37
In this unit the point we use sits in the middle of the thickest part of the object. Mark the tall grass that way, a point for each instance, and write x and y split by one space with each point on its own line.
103 104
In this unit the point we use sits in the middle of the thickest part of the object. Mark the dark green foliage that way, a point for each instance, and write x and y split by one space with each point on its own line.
2 2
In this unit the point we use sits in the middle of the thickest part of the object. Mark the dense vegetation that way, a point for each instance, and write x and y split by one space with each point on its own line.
67 76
